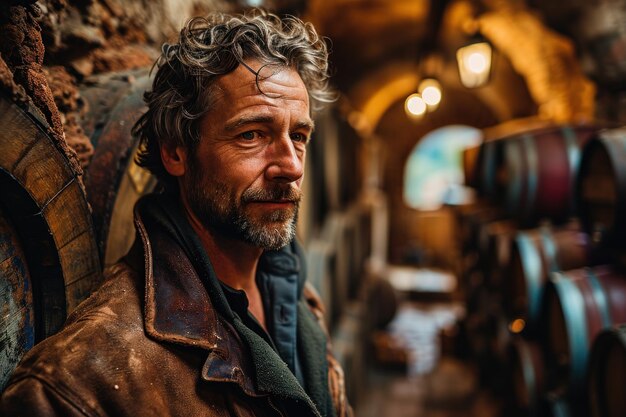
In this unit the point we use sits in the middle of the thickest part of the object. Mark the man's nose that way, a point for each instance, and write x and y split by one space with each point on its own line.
286 161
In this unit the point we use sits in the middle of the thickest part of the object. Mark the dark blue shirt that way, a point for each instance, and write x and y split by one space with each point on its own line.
280 293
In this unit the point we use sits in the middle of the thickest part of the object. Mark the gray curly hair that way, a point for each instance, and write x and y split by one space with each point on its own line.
182 90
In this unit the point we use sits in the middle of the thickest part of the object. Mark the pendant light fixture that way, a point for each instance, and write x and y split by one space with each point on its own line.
474 61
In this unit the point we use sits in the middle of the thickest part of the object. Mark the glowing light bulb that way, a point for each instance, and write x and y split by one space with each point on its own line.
430 89
415 105
431 96
476 62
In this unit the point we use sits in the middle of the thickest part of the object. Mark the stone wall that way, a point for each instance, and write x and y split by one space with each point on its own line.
47 48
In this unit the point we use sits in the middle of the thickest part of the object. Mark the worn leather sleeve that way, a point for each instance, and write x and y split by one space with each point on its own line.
336 379
30 397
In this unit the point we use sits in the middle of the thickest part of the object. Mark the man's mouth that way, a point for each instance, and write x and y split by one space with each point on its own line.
274 203
272 199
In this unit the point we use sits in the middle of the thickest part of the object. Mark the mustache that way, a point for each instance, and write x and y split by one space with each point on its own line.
277 193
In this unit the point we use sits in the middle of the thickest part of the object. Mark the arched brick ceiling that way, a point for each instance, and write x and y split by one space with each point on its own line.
374 37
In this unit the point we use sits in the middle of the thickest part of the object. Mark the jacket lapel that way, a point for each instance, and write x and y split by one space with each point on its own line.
178 310
177 307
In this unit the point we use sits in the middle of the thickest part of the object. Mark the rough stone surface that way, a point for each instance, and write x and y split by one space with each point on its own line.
22 50
122 57
47 49
72 108
15 91
547 61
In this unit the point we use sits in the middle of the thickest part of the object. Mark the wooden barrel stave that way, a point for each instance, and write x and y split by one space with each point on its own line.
577 306
601 188
102 93
113 181
526 273
16 297
535 254
541 170
50 295
554 182
533 172
44 200
606 383
516 191
46 205
489 163
71 246
527 371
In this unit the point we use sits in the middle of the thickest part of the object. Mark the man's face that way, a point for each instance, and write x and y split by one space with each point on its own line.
243 181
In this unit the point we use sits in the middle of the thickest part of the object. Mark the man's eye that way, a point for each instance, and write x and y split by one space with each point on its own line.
251 135
299 137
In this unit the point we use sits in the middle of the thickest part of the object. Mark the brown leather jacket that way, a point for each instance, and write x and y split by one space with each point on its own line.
148 342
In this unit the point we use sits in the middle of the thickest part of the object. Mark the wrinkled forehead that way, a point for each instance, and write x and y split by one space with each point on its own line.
271 81
266 72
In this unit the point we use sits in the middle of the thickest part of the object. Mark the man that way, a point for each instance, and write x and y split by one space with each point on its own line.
209 313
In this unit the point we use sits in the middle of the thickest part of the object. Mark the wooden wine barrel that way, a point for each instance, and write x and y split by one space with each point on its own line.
16 297
489 168
45 205
535 254
527 374
541 168
601 188
113 180
606 376
578 304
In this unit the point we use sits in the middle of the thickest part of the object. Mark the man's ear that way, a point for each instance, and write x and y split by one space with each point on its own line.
174 159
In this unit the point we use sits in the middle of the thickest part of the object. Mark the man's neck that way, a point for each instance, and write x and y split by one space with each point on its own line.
234 261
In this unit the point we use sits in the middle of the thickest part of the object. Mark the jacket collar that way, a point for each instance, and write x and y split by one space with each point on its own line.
178 308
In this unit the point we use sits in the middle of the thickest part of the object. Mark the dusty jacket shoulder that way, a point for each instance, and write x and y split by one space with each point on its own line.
58 375
150 342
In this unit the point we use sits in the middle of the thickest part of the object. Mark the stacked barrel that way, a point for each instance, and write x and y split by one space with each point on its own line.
544 252
601 191
56 229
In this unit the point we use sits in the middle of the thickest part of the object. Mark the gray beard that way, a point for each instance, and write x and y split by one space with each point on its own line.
220 212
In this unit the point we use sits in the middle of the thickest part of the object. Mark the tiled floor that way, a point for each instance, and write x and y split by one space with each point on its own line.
450 390
435 385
